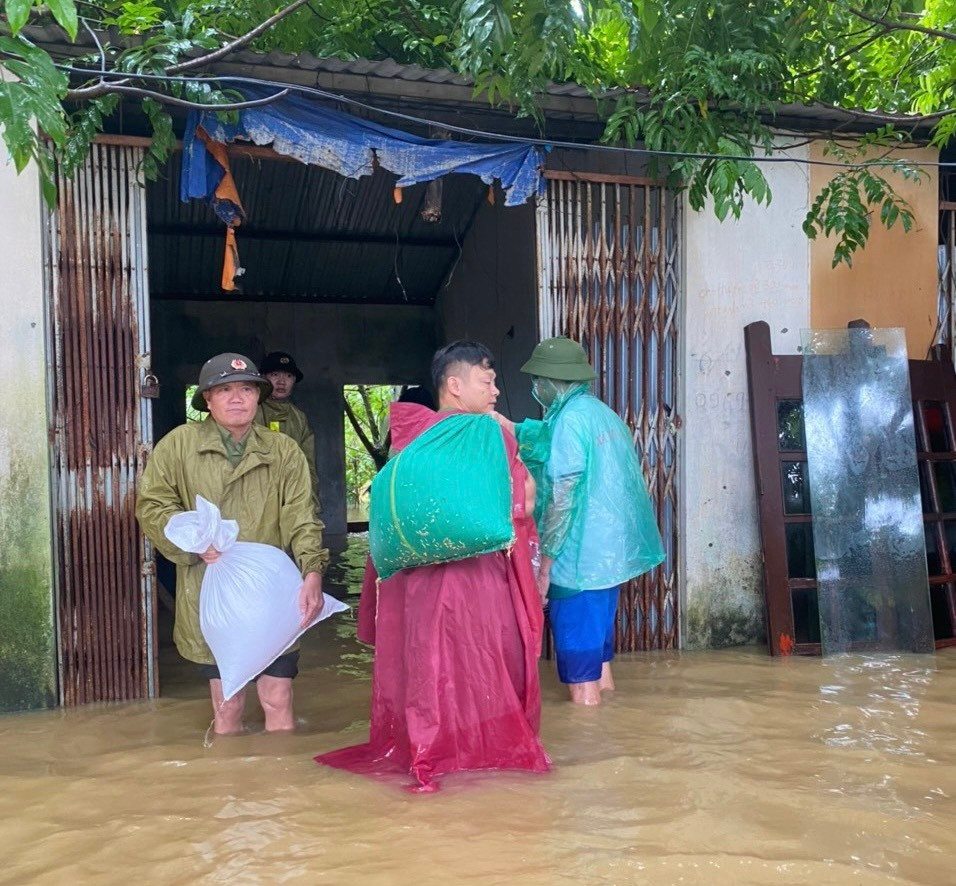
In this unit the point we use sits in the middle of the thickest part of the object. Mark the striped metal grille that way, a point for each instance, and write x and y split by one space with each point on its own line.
95 256
608 270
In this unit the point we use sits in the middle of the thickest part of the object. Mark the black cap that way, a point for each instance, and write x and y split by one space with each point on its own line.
280 361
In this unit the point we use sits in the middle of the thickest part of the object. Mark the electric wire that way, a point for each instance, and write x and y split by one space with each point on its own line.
517 139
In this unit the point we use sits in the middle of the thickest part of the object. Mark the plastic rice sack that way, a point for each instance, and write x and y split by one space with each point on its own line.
445 496
249 598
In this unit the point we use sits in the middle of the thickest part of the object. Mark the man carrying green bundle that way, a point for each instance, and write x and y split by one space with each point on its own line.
455 684
593 511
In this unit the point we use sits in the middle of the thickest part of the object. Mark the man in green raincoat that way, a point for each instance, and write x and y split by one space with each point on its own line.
259 479
278 413
594 514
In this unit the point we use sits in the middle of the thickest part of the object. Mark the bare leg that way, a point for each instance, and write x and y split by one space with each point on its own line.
607 679
586 693
275 696
227 714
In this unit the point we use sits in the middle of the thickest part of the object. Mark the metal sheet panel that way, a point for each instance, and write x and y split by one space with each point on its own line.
784 496
608 259
101 428
311 235
868 535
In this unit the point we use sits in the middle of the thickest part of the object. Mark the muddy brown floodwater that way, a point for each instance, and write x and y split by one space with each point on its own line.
711 767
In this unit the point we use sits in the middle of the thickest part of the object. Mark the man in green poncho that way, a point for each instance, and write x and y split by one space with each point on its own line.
260 480
594 514
279 413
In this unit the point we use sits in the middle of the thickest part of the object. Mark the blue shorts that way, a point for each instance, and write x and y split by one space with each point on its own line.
583 629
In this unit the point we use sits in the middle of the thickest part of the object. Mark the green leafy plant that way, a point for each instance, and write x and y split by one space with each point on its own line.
699 84
366 438
845 204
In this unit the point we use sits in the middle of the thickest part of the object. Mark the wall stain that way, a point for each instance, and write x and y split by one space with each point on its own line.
725 607
27 637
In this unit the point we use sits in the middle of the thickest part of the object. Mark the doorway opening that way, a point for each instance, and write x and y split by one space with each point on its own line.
366 445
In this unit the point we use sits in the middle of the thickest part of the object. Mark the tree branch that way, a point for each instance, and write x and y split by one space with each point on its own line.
84 93
244 40
95 6
99 45
902 26
106 88
369 411
360 433
853 49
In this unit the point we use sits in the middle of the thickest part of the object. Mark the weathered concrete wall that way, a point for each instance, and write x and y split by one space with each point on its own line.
736 272
27 634
764 268
893 281
334 345
492 297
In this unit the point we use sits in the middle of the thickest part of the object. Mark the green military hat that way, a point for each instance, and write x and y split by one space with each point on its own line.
560 359
224 368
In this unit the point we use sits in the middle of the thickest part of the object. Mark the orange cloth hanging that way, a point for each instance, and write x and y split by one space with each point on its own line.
230 261
226 193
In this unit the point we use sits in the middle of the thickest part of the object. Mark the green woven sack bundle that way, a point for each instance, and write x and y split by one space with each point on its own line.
446 496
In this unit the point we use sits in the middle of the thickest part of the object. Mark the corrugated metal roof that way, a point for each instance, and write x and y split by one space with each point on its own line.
366 67
310 235
53 35
392 82
387 68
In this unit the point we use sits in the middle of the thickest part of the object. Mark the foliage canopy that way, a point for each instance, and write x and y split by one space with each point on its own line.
699 82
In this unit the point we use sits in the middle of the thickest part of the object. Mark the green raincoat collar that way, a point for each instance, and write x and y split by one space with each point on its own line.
258 451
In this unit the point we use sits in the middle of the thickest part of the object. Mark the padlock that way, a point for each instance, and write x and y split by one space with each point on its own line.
150 389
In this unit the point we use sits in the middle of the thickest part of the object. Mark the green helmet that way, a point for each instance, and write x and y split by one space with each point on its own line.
561 359
225 368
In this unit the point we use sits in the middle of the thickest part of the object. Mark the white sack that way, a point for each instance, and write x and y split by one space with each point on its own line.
249 599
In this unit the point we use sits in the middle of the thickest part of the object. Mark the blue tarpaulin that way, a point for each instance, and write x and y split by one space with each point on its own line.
302 129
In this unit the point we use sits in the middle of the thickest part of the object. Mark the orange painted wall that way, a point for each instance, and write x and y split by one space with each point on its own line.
893 280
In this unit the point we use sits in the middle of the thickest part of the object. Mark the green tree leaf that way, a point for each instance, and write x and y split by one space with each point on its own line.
64 11
18 13
677 76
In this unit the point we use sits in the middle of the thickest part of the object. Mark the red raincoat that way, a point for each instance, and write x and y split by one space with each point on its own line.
455 683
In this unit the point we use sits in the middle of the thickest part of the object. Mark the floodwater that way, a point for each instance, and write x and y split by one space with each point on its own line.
716 767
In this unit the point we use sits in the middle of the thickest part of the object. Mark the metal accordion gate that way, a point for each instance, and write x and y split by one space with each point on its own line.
608 277
98 328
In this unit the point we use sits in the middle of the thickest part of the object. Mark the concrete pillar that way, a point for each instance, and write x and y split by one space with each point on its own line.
735 272
27 632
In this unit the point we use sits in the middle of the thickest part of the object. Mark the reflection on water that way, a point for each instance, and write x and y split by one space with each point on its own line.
717 767
349 566
344 579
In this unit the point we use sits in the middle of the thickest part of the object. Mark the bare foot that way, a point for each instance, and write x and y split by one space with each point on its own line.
585 693
606 683
241 730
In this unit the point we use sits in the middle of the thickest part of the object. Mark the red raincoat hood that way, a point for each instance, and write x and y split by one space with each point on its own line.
408 420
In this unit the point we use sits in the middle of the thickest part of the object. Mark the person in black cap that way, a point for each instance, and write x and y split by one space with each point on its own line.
258 479
279 413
